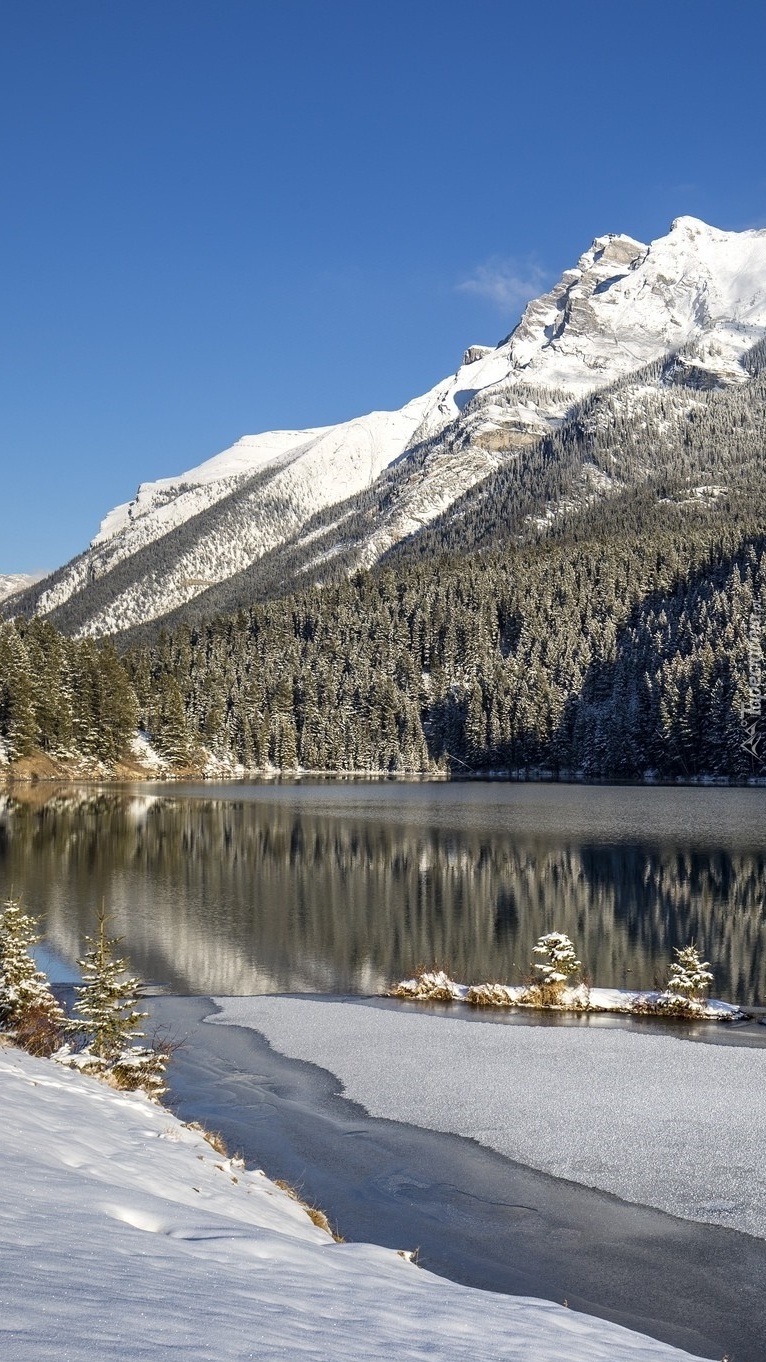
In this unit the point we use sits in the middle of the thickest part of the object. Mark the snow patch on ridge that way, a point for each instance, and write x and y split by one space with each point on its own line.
247 456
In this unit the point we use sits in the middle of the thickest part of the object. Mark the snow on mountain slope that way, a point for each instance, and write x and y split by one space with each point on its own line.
224 470
697 290
13 582
624 305
260 491
126 1236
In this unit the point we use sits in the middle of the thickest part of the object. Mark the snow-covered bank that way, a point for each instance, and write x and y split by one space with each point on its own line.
655 1120
436 986
127 1236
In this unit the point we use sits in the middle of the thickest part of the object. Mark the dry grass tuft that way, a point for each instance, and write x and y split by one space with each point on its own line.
431 985
409 1256
214 1138
488 995
315 1214
539 994
38 1032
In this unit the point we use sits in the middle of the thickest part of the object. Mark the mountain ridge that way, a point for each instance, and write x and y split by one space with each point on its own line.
697 295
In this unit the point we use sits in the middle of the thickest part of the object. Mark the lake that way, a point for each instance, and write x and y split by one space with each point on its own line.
343 887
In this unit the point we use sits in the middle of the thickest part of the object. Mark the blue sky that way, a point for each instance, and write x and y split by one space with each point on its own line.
224 216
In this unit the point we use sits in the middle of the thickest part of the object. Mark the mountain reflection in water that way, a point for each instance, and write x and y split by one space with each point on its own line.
342 888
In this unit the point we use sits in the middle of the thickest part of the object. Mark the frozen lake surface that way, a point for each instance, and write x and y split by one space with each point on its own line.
651 1118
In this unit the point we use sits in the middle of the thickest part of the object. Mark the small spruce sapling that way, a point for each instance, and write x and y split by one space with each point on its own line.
28 1010
559 966
688 980
107 1018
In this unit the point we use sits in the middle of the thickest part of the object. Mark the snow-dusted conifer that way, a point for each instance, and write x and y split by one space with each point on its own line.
560 961
17 711
689 977
28 1009
107 1001
107 1016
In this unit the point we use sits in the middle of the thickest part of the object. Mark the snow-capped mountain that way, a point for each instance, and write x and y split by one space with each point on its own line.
13 582
697 291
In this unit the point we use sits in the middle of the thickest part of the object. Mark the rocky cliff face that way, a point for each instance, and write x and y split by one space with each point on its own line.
698 291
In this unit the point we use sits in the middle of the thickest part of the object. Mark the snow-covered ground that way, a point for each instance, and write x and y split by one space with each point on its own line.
145 754
664 1122
125 1236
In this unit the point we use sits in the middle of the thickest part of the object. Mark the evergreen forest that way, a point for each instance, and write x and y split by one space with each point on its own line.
594 608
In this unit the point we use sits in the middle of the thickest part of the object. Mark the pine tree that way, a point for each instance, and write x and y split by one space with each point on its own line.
689 977
116 705
167 720
107 1016
28 1009
51 693
558 967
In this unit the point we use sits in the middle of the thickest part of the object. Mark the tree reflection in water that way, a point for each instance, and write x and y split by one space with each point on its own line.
245 895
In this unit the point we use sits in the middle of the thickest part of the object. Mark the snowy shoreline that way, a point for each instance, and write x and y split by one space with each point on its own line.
132 1236
42 771
436 986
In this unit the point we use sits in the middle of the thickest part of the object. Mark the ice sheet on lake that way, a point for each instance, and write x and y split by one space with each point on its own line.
668 1123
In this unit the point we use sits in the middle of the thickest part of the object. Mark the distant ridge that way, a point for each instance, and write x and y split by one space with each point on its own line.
14 582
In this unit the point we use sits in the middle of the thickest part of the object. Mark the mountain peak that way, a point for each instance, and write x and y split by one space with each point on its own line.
616 246
694 226
13 583
622 306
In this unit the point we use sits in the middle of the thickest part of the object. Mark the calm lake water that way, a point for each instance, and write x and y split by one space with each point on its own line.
344 887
